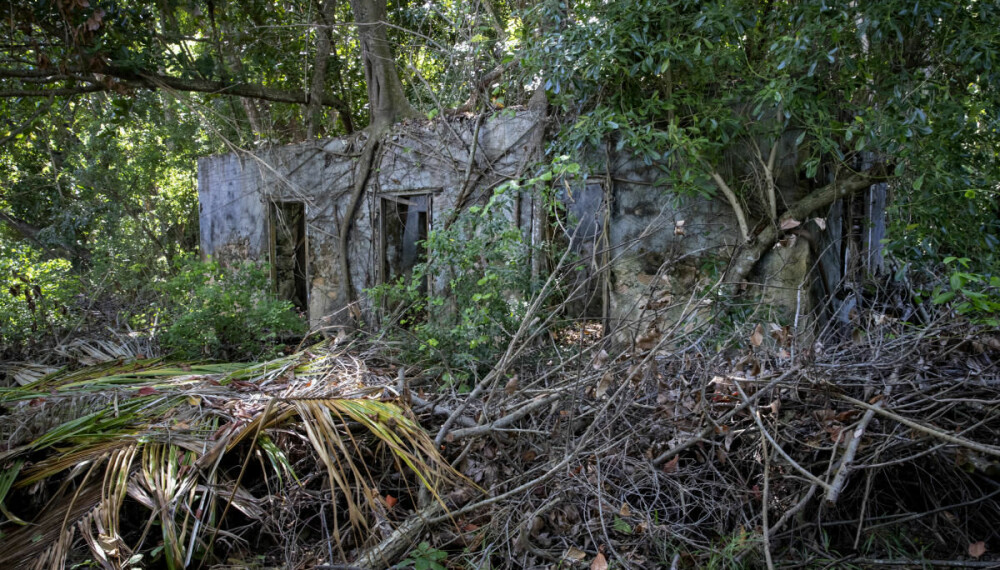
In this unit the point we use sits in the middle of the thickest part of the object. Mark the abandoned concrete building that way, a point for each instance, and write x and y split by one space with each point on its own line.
641 245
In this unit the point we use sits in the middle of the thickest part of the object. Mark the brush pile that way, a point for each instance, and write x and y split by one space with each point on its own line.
881 451
884 450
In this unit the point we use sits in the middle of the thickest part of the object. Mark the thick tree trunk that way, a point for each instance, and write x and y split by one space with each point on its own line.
388 104
386 98
314 109
30 232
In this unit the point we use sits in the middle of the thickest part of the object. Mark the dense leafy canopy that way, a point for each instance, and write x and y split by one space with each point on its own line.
683 82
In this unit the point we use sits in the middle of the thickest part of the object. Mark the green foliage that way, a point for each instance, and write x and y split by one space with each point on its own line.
424 557
477 275
36 299
969 293
690 87
228 313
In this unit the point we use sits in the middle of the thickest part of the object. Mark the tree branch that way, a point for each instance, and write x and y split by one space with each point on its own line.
744 260
24 126
741 218
30 233
151 80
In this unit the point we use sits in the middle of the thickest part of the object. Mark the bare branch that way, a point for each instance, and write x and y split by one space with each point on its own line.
741 218
150 80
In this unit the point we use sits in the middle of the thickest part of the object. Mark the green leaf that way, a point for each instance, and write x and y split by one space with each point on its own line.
943 298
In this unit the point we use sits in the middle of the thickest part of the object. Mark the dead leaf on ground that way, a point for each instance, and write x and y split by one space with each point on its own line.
721 456
824 415
599 563
649 340
600 359
782 334
511 386
671 466
625 511
976 549
820 222
757 337
574 554
603 385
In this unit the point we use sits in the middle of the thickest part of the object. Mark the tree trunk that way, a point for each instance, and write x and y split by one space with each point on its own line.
77 254
387 103
747 257
314 109
386 98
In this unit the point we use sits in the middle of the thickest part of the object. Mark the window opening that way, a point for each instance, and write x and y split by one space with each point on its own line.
405 225
288 252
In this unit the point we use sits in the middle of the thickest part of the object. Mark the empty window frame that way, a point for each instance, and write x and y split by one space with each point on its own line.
288 252
406 222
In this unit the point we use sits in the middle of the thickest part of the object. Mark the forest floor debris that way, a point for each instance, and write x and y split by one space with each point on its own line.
871 453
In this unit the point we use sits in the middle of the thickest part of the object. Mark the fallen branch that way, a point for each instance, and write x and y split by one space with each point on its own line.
847 462
385 553
506 420
705 432
763 431
421 405
987 449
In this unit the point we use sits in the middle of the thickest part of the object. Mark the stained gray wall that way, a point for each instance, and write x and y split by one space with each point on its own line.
661 247
232 213
424 157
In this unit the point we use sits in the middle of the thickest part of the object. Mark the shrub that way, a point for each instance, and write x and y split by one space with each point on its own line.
35 300
226 313
478 275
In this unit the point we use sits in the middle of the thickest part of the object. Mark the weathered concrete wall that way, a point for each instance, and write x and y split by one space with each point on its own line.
664 247
232 212
644 250
423 158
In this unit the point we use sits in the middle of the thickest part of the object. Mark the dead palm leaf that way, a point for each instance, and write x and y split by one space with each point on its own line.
160 433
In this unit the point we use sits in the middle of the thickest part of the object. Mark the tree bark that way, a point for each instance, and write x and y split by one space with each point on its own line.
387 103
386 99
30 233
314 108
153 80
745 258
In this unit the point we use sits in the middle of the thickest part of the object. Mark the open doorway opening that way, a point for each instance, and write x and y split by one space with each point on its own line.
288 252
405 224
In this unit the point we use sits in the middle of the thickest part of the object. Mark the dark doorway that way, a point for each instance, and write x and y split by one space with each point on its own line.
405 225
288 252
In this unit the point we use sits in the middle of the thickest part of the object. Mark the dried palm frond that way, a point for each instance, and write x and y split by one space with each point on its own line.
177 440
24 373
95 351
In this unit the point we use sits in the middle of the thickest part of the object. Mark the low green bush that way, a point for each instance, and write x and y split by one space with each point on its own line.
228 313
36 299
477 277
975 295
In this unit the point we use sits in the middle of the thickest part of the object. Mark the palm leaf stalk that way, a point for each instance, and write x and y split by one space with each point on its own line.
177 439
